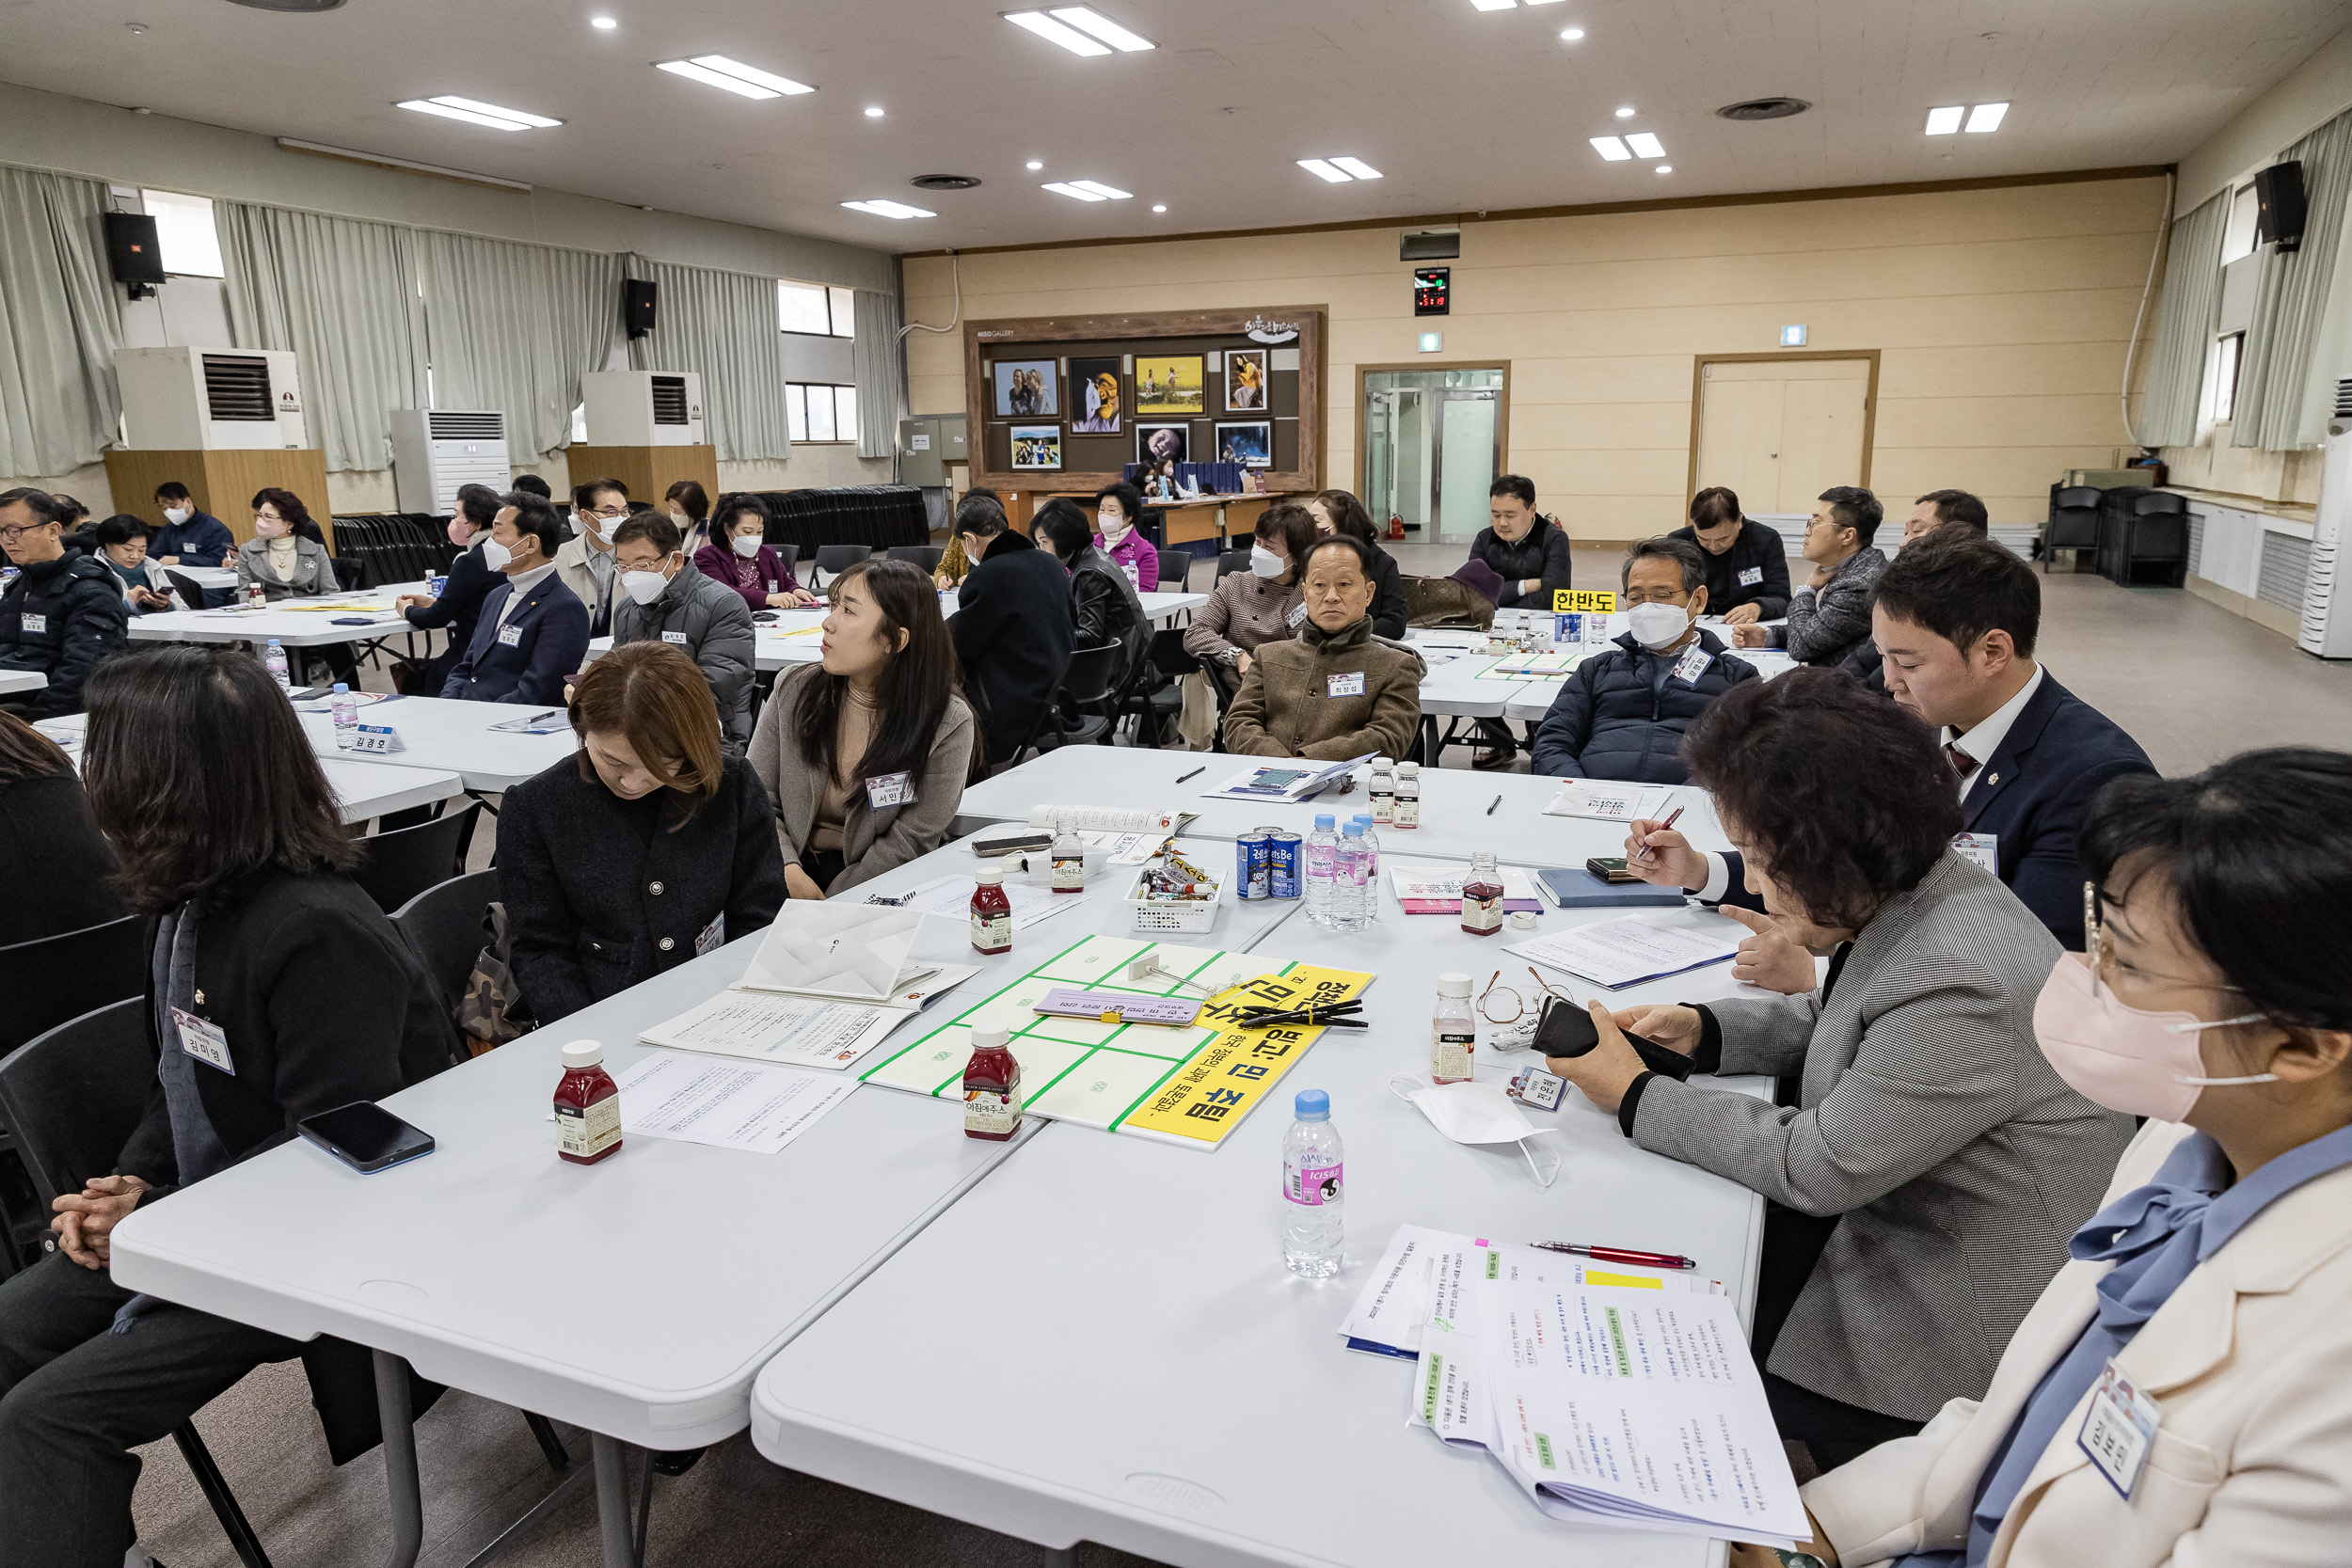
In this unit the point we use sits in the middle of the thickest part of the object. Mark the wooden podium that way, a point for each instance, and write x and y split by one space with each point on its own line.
221 482
647 470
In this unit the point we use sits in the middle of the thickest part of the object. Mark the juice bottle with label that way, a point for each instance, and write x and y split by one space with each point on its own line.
1481 895
587 1107
991 912
1383 791
1453 1032
1069 857
992 1087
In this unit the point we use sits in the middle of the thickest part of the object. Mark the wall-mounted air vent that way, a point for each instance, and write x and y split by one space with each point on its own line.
1763 108
445 425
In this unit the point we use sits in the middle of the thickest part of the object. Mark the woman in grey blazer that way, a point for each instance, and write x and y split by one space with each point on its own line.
1948 1160
867 753
286 559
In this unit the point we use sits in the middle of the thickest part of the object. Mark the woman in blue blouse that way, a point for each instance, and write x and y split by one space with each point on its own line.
2182 1391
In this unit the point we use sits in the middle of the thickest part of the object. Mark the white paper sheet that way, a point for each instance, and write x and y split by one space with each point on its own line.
755 1107
1636 947
832 947
807 1030
950 897
1609 802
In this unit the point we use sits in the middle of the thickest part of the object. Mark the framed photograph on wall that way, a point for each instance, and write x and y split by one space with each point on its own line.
1036 447
1162 443
1026 389
1245 381
1170 384
1249 443
1097 406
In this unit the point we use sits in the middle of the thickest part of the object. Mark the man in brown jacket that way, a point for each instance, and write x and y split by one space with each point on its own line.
1335 691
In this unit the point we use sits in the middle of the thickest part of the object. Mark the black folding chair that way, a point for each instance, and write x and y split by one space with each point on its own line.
833 559
925 556
45 982
1229 562
1087 681
442 927
1154 695
70 1102
1176 570
404 862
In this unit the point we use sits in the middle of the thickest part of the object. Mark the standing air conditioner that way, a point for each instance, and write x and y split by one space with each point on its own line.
2326 629
644 408
437 449
209 399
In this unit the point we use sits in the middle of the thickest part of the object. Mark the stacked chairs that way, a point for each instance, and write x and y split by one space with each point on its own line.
394 546
876 516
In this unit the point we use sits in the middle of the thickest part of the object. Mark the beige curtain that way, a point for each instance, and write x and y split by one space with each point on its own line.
2277 408
343 294
880 367
513 326
723 327
59 324
2186 320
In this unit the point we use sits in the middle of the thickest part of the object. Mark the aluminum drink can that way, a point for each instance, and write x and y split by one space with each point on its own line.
1253 865
1288 851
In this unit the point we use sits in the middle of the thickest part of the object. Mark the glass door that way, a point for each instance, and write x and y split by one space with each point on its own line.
1433 443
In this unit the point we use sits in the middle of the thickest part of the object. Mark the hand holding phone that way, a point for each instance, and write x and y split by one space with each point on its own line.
1565 1031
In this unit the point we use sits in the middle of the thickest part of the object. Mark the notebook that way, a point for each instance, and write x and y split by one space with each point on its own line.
1580 889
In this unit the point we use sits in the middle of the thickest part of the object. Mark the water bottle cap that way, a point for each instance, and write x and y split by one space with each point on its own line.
1313 1105
273 641
1454 985
581 1054
1322 821
1354 828
1365 817
342 689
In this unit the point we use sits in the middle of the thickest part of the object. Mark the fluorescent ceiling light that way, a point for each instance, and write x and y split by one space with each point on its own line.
1108 193
884 209
1160 209
1101 27
1611 149
604 23
1324 170
1644 145
717 70
873 111
1569 35
1033 165
1534 2
1060 189
1057 32
1663 169
479 113
1358 167
1944 121
1986 117
1625 111
1493 5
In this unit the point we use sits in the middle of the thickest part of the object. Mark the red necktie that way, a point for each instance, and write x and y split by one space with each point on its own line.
1963 764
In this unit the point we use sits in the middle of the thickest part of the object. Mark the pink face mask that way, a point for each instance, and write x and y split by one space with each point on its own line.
2140 1063
459 534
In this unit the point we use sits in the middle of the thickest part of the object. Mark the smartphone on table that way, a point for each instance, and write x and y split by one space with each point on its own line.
365 1136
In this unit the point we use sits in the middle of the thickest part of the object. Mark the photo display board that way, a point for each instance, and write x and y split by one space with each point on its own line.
1067 403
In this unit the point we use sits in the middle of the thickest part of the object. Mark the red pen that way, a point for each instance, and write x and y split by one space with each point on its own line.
1672 817
1621 1255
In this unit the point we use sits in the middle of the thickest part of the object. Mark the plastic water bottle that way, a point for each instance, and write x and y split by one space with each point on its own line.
1323 848
345 707
1349 891
1313 1189
1371 865
274 660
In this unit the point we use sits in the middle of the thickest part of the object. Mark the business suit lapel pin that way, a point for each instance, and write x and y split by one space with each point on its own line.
1992 779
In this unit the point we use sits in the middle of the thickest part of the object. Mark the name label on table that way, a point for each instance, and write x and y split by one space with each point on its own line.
202 1038
34 623
1345 685
1535 1086
890 789
1693 664
1582 601
379 739
510 637
1751 576
1983 848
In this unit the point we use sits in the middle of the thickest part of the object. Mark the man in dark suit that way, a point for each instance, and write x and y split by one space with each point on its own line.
191 535
533 635
1014 625
1955 618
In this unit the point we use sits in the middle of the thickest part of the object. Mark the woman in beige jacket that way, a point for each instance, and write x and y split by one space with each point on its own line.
1335 691
2182 1391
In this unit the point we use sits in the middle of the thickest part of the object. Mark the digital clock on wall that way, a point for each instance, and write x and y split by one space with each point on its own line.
1431 290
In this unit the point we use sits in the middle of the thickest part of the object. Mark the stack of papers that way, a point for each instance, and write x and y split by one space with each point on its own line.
1610 802
1637 947
1286 782
951 897
1437 889
745 1105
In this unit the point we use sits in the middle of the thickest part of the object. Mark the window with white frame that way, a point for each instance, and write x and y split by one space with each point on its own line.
184 232
2225 362
815 412
816 309
2237 235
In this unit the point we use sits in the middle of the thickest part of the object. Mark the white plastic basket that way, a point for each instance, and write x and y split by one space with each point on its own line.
1172 914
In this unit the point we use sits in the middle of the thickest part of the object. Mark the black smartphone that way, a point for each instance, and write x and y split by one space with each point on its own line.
365 1136
1609 868
310 693
1566 1030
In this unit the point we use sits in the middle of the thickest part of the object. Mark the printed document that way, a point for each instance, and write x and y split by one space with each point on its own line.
951 897
1437 889
769 1026
1289 783
1637 947
747 1105
1610 802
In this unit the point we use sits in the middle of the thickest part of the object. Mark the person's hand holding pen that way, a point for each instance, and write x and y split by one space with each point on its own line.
1669 860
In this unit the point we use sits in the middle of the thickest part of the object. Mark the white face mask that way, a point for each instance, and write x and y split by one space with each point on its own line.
1477 1114
177 514
645 587
494 555
1265 563
747 544
1655 626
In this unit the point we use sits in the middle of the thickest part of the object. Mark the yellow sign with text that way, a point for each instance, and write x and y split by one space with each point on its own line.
1218 1085
1583 601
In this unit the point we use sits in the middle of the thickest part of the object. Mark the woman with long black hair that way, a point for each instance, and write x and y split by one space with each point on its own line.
866 753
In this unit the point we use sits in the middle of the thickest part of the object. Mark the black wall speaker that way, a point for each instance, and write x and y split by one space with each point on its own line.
133 251
637 307
2278 206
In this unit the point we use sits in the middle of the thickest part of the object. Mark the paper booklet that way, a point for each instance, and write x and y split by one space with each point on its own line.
1289 781
1437 889
1637 947
1610 802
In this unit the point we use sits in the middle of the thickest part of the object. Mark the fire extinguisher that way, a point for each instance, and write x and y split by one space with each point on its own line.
1396 526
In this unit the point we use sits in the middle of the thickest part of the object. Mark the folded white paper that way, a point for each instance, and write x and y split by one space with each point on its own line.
831 947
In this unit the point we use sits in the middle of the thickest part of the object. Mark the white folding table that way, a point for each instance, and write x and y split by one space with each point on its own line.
364 789
289 626
21 680
458 737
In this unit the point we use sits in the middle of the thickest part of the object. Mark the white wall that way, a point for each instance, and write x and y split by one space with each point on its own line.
2305 98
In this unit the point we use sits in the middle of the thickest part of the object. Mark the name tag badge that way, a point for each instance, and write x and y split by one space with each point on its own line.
510 637
1536 1087
1297 617
714 936
1751 576
890 789
1983 848
2118 1428
1345 685
202 1039
1693 664
35 623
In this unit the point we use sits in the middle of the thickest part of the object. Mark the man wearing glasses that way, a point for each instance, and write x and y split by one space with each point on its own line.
584 564
63 612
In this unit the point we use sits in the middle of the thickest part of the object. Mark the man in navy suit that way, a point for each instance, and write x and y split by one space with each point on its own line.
1955 619
533 635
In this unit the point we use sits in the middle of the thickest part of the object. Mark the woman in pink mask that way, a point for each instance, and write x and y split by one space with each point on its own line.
460 603
2178 1394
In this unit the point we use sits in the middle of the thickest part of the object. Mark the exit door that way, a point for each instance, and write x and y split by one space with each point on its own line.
1779 432
1433 445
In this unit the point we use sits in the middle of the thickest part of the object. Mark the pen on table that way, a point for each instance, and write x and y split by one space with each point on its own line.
1672 817
1621 1255
1196 772
543 718
1491 804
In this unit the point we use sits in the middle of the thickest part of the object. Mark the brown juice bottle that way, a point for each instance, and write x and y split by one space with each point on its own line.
587 1107
991 912
992 1087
